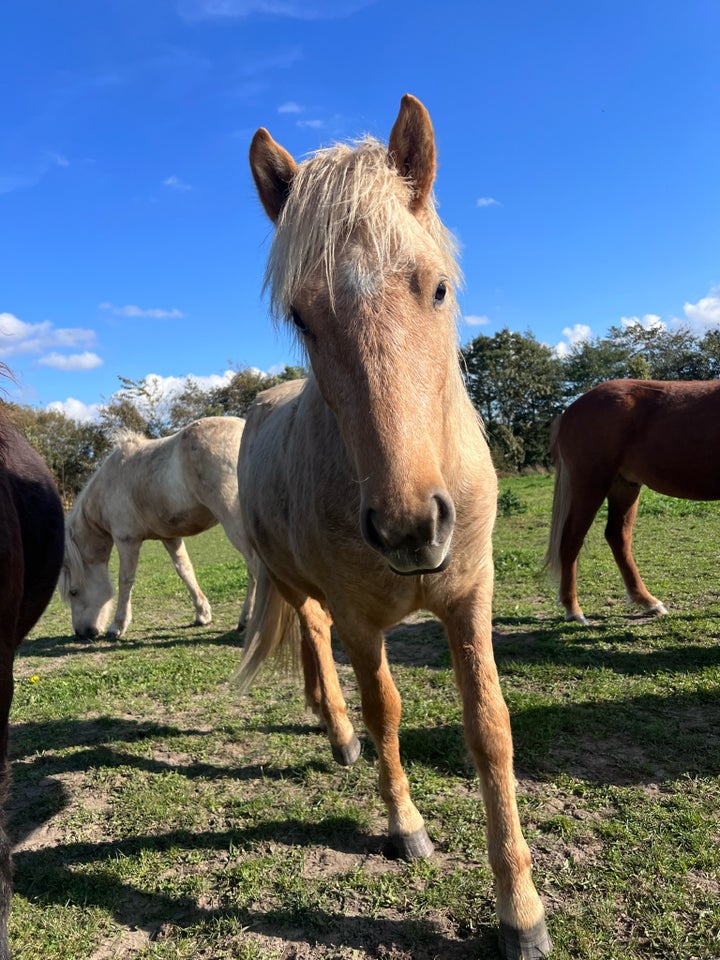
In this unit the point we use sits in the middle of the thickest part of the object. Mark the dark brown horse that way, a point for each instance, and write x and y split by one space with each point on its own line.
31 552
368 491
614 439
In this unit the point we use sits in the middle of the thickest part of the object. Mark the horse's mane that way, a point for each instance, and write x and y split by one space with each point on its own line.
123 435
73 568
340 194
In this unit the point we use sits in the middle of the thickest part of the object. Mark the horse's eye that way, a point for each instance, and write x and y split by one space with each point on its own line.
298 320
73 593
440 293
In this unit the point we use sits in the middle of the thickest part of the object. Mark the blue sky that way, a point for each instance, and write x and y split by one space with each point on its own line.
578 147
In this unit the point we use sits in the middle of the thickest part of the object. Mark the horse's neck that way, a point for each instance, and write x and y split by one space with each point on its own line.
87 525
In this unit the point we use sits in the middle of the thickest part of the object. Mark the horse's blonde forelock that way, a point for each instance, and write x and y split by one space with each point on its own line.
339 194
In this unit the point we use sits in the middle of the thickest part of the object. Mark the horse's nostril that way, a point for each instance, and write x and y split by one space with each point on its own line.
445 519
370 531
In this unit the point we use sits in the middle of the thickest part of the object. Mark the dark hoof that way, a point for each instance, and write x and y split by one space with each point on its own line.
348 754
412 846
532 944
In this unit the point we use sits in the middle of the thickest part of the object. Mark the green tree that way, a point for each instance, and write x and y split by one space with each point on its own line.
516 384
236 397
72 450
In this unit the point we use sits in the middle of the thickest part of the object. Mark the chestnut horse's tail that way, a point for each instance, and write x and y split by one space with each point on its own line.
560 505
272 631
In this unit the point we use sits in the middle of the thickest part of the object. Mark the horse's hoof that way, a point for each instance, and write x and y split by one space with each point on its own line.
113 633
532 944
348 754
410 846
657 610
576 618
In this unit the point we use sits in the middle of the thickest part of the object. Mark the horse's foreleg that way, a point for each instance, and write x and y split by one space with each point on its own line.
486 721
128 555
184 569
622 511
381 707
322 688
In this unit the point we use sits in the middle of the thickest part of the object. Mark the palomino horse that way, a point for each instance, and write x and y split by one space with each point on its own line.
164 490
31 551
368 490
608 443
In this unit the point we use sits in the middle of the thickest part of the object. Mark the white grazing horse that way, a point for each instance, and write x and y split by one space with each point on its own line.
164 490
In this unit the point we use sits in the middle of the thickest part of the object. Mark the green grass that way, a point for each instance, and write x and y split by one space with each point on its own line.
157 815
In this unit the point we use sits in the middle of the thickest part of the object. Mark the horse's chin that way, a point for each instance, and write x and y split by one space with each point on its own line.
414 566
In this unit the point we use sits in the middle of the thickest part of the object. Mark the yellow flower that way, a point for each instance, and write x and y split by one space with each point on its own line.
34 678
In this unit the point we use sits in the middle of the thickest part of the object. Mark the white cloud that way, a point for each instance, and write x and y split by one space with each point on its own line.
290 107
291 9
18 338
34 175
175 183
73 361
76 410
649 321
487 202
163 390
311 124
476 320
706 312
10 183
131 310
574 336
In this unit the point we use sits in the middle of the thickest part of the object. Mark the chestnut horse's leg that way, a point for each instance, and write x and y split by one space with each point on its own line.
381 707
486 722
322 689
584 507
622 510
175 546
128 554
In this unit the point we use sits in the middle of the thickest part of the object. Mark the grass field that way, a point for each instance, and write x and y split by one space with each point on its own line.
157 815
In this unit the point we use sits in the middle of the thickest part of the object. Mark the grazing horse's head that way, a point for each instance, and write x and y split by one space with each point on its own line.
363 267
85 584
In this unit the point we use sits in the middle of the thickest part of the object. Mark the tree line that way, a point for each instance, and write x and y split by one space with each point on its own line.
517 384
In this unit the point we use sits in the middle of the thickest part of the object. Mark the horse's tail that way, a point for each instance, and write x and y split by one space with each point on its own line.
560 504
273 630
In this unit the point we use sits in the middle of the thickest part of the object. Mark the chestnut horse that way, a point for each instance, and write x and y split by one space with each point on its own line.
31 551
606 445
165 490
368 490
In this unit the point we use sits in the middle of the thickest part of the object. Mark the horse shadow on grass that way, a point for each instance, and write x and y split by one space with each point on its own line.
64 645
641 740
59 877
52 870
577 646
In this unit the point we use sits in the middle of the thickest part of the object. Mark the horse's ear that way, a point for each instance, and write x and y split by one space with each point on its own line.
273 169
412 149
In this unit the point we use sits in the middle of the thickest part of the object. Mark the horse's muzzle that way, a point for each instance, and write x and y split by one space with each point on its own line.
413 547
